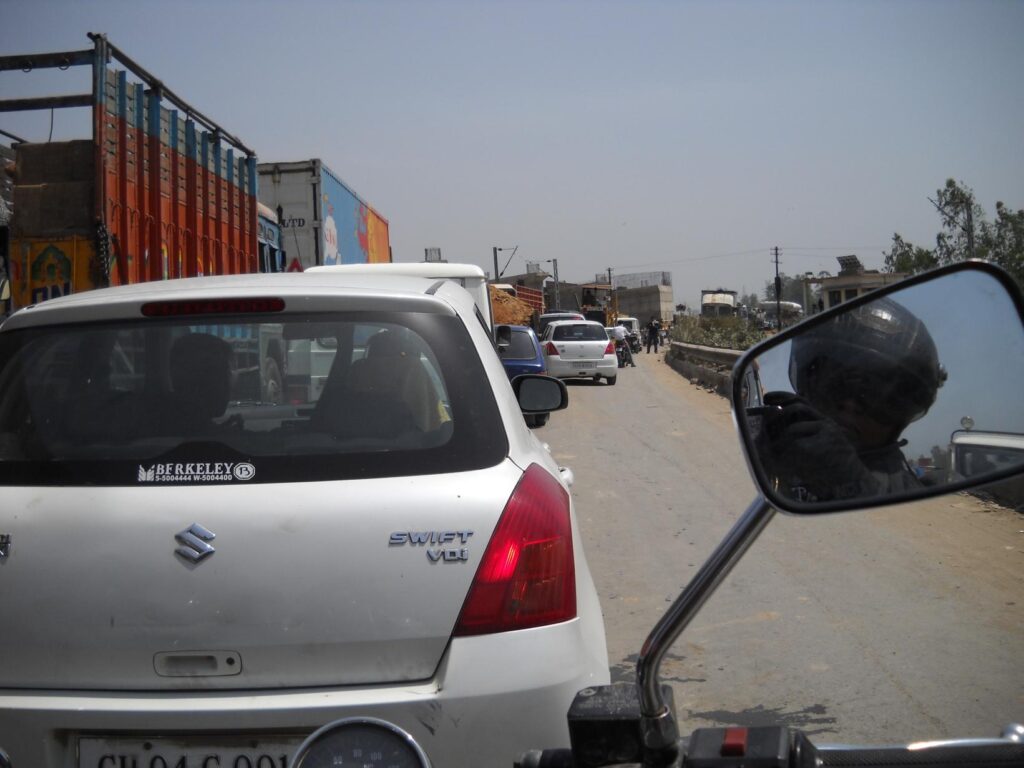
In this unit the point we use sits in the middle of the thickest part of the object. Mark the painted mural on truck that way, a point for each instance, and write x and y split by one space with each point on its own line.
353 233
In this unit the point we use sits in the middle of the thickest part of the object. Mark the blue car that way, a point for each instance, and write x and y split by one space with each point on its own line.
523 355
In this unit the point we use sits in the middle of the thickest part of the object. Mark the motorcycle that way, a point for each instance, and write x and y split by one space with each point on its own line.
620 353
635 346
913 368
624 350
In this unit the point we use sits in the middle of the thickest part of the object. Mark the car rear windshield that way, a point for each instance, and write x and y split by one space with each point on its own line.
546 320
521 347
580 332
245 399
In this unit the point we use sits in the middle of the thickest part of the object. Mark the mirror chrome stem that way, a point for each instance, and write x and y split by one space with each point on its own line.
667 630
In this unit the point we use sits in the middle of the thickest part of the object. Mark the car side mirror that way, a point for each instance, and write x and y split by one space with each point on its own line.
502 338
908 392
540 394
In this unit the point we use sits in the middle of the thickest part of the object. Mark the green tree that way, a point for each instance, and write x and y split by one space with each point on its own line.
792 289
962 222
1003 240
964 234
750 300
907 257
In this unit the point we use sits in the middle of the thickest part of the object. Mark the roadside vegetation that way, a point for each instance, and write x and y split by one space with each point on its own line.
722 332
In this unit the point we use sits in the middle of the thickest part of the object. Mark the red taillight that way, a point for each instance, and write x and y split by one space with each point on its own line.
527 577
610 349
550 349
211 307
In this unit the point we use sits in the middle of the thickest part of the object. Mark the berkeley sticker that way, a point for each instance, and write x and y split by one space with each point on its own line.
197 472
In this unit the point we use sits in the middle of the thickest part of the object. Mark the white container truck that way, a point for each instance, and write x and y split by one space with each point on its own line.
323 221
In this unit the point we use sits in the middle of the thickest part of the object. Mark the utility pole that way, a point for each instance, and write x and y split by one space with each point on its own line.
497 272
611 295
558 298
970 229
778 291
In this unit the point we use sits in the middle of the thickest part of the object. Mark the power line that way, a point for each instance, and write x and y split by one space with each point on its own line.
694 258
834 247
753 251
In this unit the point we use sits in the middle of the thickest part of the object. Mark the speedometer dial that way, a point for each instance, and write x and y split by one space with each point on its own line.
365 742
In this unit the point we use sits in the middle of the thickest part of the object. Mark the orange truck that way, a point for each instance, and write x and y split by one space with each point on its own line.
158 191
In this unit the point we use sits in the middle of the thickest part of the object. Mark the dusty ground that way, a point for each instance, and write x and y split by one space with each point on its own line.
961 530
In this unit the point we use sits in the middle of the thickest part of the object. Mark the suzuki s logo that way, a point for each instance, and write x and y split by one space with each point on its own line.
195 543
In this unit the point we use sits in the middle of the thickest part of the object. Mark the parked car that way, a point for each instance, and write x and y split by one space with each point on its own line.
579 349
550 317
193 577
521 354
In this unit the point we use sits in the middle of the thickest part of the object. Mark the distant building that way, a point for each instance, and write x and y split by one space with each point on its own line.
852 281
641 280
642 303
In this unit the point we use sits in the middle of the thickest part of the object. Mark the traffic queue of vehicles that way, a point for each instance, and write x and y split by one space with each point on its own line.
266 501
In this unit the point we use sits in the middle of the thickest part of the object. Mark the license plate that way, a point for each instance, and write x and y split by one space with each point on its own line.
213 752
583 365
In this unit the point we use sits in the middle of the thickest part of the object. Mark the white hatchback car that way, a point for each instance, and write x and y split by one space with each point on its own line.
579 349
192 576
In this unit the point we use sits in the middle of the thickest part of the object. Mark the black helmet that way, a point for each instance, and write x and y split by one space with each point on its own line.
879 355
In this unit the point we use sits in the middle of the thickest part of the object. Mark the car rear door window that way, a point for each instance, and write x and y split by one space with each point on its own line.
580 332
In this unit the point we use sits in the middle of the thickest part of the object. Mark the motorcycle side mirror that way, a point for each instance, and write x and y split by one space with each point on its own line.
910 391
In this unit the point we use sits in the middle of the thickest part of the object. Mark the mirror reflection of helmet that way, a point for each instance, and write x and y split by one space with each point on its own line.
879 356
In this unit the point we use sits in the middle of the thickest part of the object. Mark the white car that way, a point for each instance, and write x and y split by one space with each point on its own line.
551 317
579 349
191 576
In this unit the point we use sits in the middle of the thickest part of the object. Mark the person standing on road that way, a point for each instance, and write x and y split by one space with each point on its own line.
653 334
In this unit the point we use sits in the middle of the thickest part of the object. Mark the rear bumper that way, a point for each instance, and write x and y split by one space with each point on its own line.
492 698
606 367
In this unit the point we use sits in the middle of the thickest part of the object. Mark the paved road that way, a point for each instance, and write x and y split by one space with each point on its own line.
897 624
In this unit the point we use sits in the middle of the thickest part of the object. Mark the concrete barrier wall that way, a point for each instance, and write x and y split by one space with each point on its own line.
708 367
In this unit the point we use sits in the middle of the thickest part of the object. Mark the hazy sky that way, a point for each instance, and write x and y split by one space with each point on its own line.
688 137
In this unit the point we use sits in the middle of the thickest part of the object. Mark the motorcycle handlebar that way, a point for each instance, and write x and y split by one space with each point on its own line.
970 753
706 749
546 758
